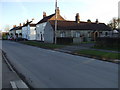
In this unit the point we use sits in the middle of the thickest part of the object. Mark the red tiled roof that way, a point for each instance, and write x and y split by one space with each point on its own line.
72 25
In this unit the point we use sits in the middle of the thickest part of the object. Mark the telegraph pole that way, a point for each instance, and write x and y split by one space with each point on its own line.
55 22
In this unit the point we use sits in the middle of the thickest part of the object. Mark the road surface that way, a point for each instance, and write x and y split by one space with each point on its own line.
51 69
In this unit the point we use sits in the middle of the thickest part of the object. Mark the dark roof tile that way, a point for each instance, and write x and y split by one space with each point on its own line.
72 25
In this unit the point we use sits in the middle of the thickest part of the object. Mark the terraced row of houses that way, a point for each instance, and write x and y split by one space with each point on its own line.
75 31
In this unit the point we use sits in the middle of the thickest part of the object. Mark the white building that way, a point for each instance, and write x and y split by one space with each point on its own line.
40 26
16 32
29 31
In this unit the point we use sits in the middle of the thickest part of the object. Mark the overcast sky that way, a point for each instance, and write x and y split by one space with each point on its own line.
18 11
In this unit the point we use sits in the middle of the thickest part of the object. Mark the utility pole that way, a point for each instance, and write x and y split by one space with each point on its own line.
55 22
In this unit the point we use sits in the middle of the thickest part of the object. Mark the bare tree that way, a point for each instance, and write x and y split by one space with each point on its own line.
7 28
114 23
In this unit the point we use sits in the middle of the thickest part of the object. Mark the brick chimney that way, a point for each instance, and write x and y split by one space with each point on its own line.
57 11
27 21
77 18
96 21
14 26
33 19
20 24
89 21
23 23
44 14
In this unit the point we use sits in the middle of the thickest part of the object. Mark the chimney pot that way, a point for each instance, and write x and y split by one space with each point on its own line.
14 26
89 21
20 24
97 21
27 21
57 11
77 18
44 14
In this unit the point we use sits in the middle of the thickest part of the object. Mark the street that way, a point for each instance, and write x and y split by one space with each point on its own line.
44 68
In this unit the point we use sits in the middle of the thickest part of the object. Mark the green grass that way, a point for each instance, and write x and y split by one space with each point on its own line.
88 42
100 54
42 45
117 48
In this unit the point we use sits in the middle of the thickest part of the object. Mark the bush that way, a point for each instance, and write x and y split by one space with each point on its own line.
107 42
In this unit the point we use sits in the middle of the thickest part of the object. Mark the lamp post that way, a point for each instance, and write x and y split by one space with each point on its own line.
55 22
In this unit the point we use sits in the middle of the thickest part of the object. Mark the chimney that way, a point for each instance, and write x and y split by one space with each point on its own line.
97 21
33 19
14 26
44 14
23 23
89 21
27 21
57 11
77 18
20 24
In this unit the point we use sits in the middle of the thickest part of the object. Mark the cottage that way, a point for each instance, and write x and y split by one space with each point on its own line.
29 31
16 31
74 31
40 27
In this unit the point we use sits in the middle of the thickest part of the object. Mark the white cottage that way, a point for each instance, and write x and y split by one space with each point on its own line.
16 32
40 26
29 31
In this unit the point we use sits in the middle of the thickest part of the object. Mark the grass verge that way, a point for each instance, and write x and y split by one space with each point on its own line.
99 54
42 45
108 48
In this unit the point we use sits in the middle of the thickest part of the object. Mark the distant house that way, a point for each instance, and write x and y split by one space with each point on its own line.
40 27
16 31
75 31
29 31
116 33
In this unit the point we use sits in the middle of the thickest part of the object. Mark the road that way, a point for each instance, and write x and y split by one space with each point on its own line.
0 65
51 69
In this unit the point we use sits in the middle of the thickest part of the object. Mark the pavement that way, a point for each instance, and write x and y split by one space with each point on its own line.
0 70
6 74
44 68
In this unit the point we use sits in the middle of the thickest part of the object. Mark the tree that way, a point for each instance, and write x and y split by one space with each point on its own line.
114 23
7 28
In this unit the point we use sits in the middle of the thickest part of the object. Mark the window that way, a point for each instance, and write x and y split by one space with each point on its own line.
38 35
62 34
106 33
77 34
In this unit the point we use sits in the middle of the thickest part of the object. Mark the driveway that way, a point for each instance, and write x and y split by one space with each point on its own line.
44 68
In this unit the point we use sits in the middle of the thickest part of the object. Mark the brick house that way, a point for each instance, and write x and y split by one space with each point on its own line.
75 31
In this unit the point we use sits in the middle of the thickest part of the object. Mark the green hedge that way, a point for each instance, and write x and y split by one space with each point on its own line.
107 42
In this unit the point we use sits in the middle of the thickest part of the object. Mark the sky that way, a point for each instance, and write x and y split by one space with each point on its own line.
13 12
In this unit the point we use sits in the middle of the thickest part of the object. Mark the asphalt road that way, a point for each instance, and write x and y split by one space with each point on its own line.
0 65
51 69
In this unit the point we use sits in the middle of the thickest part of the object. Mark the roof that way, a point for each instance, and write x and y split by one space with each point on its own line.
26 24
51 17
16 28
33 25
45 19
72 25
